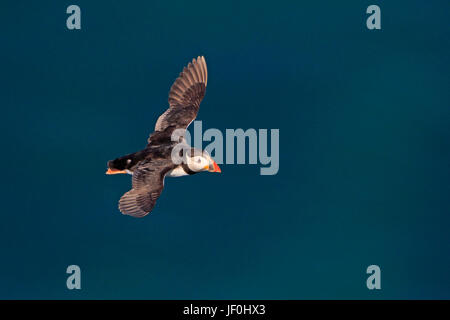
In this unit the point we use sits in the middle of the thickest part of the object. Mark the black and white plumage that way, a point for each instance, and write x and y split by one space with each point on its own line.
150 166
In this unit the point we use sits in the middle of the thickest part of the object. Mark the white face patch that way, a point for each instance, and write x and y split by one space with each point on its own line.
197 163
128 161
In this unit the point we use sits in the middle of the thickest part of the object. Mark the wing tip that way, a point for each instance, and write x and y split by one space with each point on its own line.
194 73
199 66
128 206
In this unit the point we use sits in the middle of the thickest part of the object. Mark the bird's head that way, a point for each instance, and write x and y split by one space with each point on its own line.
199 161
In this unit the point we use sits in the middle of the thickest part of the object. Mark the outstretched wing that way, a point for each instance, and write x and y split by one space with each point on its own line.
185 97
147 185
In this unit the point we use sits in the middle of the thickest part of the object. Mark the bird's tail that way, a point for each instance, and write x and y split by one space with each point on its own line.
126 162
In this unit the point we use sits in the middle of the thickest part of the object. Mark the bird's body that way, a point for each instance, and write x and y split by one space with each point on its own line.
151 165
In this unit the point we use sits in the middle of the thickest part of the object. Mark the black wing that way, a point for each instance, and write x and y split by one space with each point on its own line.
185 97
147 185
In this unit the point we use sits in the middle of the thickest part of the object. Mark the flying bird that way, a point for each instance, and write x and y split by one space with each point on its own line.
151 165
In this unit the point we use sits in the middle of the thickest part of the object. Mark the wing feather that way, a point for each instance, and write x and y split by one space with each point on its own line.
147 185
185 97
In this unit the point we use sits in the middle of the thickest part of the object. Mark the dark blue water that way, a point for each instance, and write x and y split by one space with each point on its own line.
364 175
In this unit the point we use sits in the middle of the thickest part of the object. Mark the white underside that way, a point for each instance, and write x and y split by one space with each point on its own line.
177 172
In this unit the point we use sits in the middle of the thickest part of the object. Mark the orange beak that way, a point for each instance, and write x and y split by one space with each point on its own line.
215 168
112 171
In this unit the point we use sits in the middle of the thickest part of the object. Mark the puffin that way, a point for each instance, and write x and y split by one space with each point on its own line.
151 165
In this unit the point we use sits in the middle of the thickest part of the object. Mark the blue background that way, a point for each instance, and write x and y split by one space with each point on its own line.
364 150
